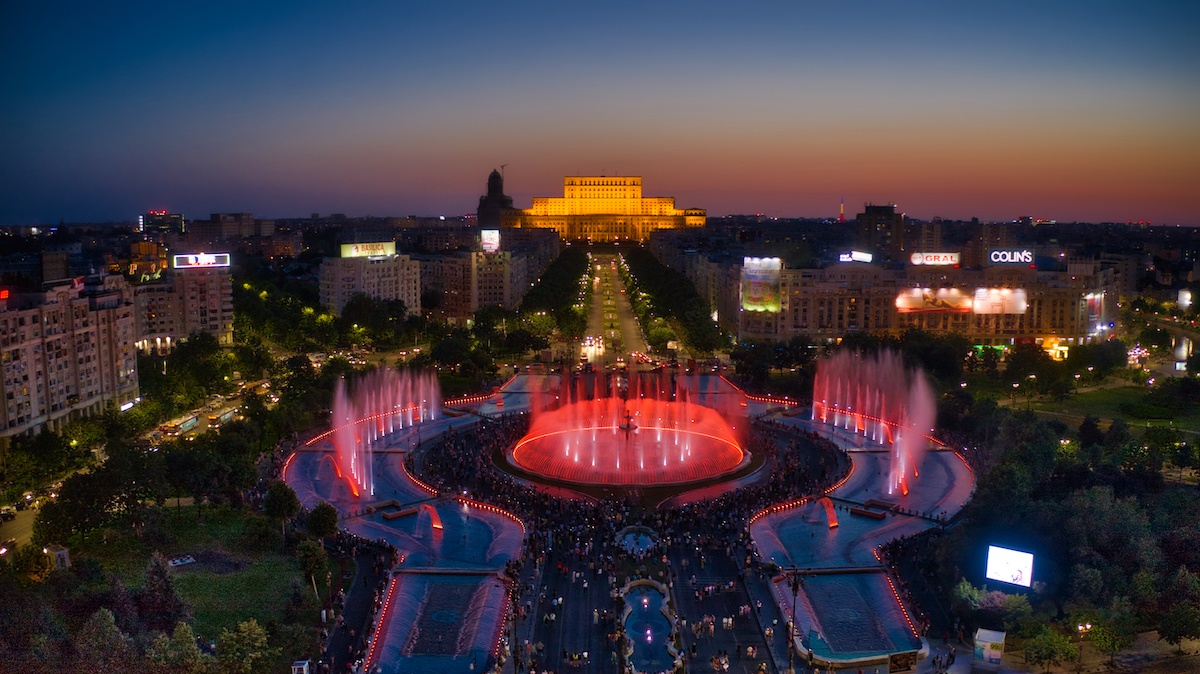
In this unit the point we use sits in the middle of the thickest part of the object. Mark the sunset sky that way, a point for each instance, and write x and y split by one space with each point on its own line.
1074 111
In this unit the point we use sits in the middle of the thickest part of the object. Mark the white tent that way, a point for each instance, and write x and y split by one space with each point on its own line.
989 649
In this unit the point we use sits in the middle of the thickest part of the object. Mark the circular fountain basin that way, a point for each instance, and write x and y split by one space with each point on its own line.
636 539
642 442
648 629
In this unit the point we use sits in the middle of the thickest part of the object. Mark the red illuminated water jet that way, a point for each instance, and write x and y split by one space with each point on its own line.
633 430
877 396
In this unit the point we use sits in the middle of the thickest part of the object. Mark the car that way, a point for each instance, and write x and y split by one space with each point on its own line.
8 513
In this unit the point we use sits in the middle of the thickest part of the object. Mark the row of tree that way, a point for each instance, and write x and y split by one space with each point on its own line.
670 295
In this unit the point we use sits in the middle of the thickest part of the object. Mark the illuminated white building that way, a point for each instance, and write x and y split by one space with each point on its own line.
66 353
374 270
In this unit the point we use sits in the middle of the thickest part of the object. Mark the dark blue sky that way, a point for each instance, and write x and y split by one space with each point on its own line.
1063 110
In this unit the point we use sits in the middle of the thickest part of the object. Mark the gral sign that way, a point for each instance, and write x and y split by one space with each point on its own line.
760 284
374 249
490 238
935 258
201 260
1011 257
931 301
1000 301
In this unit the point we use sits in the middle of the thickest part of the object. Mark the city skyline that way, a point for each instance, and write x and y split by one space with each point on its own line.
1079 112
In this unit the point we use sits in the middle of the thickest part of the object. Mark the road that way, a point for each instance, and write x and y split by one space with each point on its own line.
611 316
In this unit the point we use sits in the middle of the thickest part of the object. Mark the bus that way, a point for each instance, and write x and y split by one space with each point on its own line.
181 426
216 421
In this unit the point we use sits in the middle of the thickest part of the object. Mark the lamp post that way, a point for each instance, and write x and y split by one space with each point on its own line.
1083 629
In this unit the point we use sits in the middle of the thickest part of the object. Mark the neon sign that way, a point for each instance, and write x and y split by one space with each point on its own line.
202 260
935 258
1011 256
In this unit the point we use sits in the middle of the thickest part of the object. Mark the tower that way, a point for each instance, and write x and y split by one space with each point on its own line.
493 204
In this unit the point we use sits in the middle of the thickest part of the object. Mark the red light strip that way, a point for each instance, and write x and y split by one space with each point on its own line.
901 604
417 481
374 417
891 424
381 625
493 509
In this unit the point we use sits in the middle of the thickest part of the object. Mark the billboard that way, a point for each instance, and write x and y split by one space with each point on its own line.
935 258
1011 256
1000 301
1009 566
373 249
490 238
760 284
855 256
929 300
201 260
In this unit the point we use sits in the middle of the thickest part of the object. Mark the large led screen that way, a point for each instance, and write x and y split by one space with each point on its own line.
1000 301
490 238
933 300
1009 566
760 284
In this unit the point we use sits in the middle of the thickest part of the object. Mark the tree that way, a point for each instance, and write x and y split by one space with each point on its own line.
244 650
281 504
1049 648
1115 633
178 652
322 521
313 561
1180 621
102 645
159 605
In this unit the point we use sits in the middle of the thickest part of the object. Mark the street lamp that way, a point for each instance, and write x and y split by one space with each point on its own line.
1083 628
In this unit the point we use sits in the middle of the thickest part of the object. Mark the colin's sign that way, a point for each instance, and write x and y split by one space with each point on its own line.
1011 257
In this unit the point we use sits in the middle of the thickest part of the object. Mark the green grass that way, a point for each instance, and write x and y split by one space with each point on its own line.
1106 404
220 601
252 584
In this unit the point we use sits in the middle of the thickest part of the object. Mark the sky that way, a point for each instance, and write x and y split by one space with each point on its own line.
1074 111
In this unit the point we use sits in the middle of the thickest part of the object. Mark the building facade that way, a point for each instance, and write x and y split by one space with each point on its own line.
195 295
604 209
998 305
386 276
66 353
468 281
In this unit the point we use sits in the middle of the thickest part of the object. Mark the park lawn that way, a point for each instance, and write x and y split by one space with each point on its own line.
1106 404
227 586
219 601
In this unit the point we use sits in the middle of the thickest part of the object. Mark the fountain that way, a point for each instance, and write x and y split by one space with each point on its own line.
632 430
875 395
382 403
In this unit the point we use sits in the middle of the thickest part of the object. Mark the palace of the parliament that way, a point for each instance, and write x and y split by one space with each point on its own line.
594 208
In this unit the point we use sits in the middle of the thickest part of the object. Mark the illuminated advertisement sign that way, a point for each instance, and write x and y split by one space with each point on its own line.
935 258
1000 301
201 260
375 249
1009 566
855 256
760 283
1011 257
490 239
930 301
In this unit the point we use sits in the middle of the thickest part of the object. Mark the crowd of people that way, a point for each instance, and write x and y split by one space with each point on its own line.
564 535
